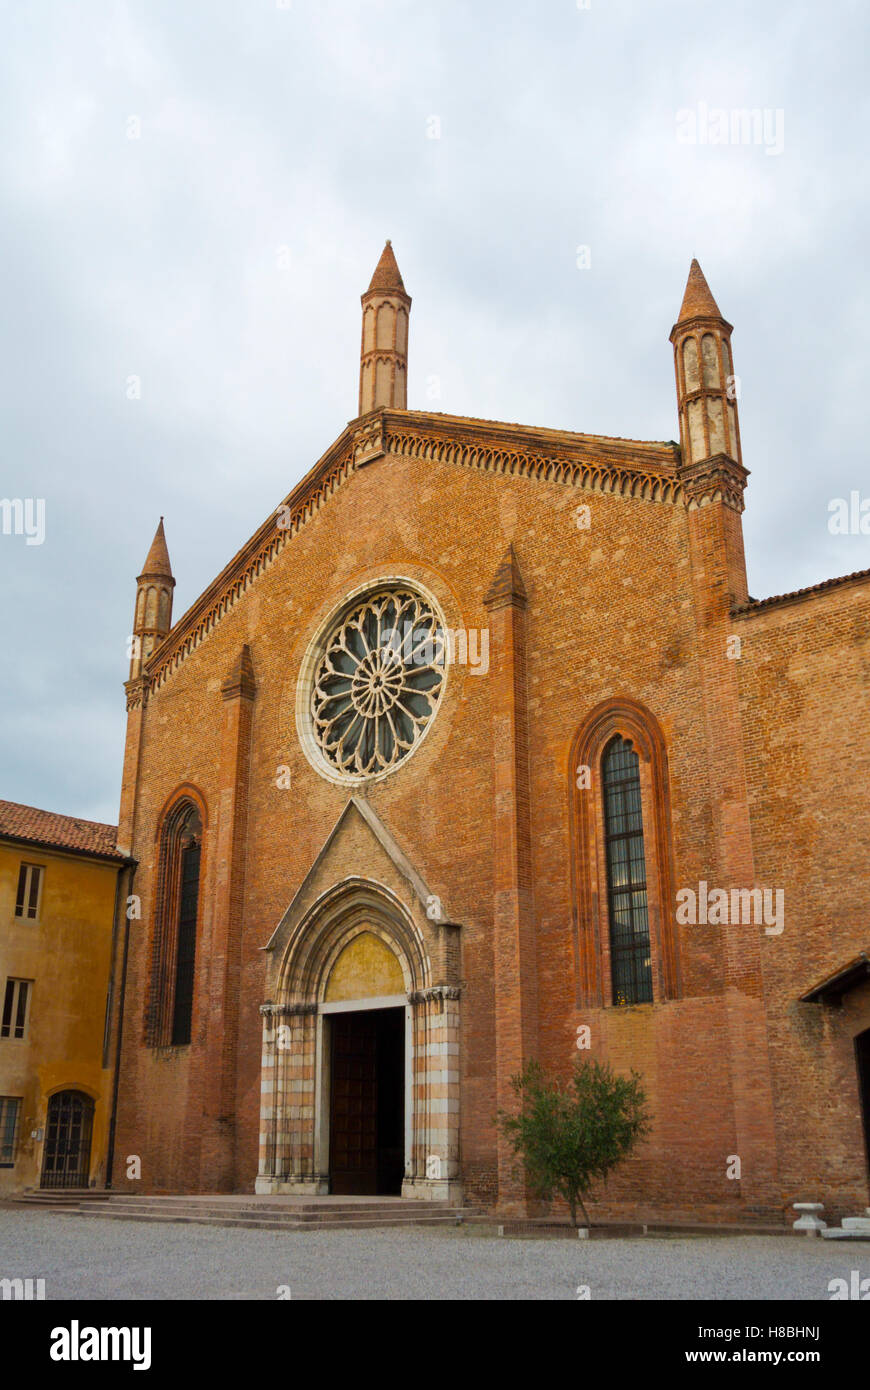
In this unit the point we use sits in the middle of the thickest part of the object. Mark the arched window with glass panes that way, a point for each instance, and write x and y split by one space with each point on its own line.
627 903
169 1015
627 950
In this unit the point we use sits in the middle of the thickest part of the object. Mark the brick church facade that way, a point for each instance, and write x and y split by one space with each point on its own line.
477 752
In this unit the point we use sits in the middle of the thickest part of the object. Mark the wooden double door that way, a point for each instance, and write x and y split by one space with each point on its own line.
367 1114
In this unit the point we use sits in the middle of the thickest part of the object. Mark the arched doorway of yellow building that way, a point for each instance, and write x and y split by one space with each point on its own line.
67 1153
366 1021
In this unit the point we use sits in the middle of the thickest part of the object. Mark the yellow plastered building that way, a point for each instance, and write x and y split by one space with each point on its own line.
61 881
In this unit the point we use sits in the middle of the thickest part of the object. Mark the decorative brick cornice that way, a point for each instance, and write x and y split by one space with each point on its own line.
137 692
626 467
250 562
369 441
716 479
699 322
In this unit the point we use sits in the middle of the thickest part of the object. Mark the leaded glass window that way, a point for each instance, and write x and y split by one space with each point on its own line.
377 682
626 875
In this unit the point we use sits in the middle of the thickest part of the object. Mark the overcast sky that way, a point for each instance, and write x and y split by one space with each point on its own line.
195 193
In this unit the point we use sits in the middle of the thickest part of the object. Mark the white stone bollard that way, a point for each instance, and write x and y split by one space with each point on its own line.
809 1223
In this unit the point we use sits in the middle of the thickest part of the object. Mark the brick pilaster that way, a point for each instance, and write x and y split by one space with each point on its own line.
137 699
714 493
516 1019
218 1062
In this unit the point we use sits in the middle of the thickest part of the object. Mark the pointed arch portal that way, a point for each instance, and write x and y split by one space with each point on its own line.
360 1088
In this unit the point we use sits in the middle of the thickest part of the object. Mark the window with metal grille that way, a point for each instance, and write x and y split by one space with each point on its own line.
10 1107
68 1129
631 966
27 897
13 1021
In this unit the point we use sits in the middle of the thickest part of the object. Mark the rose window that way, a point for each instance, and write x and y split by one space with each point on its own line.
378 682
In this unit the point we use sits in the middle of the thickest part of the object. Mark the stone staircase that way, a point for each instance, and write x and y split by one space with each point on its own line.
257 1213
60 1198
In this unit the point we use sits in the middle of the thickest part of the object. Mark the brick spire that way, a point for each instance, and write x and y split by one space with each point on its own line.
387 275
698 301
153 615
383 373
157 560
707 389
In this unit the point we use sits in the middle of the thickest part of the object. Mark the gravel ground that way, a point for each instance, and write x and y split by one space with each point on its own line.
83 1258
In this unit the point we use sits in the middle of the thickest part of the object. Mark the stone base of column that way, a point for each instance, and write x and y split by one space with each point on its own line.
433 1190
289 1187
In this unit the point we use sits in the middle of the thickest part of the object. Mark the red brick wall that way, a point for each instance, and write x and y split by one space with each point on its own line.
804 695
611 610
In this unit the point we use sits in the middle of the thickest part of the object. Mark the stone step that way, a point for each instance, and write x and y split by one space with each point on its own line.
288 1223
276 1213
279 1209
269 1218
856 1223
62 1194
837 1233
58 1200
275 1203
177 1210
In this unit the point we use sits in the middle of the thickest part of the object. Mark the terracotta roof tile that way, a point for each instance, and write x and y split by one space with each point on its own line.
755 604
37 827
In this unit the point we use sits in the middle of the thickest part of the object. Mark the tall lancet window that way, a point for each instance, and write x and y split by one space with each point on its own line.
170 1007
190 844
630 954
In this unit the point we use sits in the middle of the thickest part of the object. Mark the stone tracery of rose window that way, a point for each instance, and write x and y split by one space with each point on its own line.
378 682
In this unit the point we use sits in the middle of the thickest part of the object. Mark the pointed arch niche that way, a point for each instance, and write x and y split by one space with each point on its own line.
620 717
357 948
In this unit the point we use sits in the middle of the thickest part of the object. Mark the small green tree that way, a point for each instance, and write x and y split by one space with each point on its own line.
570 1135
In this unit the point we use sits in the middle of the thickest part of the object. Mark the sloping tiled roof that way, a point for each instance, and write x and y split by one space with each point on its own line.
755 605
37 827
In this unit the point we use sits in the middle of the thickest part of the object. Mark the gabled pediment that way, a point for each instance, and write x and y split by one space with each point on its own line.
360 847
630 468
